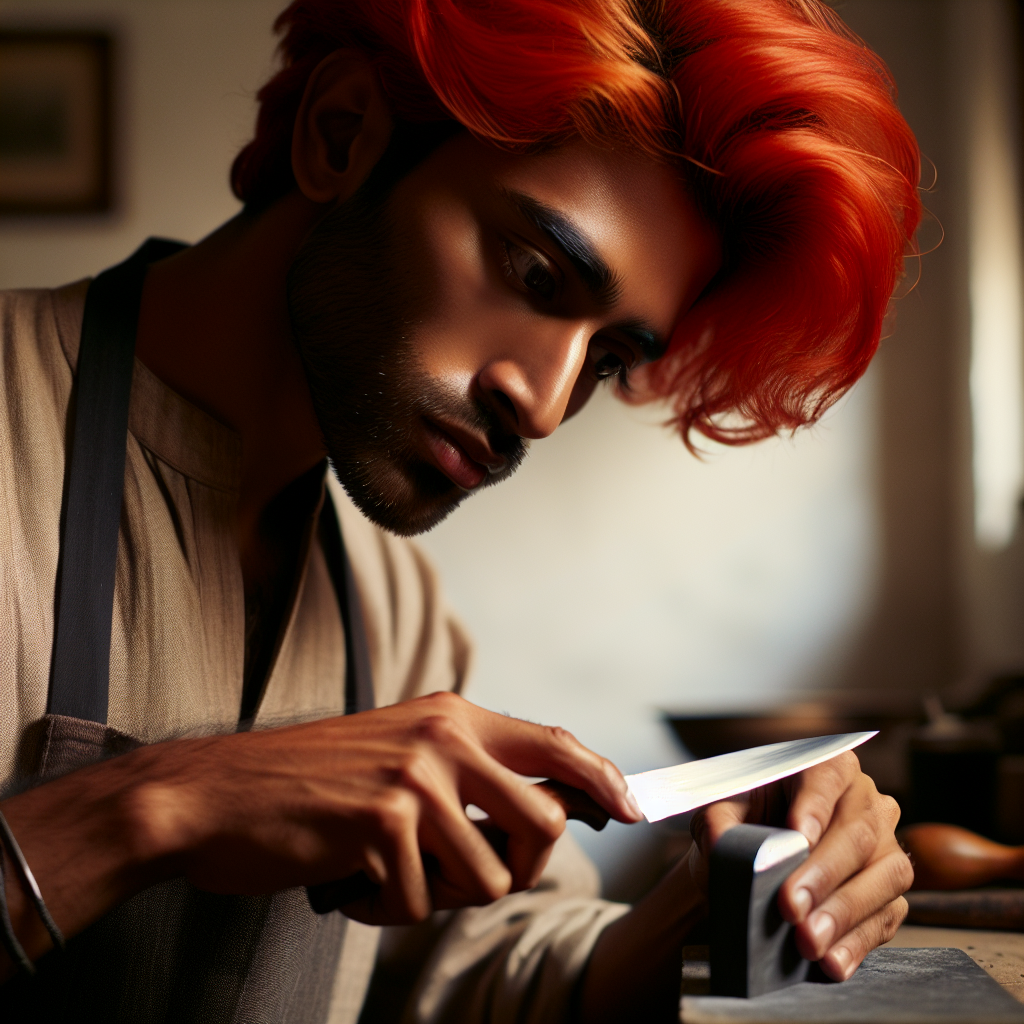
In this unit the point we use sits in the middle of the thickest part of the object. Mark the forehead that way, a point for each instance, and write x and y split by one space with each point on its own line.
637 212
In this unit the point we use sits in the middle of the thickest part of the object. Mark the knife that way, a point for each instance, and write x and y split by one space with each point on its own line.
660 794
684 787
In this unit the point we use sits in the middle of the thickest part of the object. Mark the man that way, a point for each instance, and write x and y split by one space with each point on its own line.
459 219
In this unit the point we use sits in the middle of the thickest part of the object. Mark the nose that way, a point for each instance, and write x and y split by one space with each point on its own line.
530 388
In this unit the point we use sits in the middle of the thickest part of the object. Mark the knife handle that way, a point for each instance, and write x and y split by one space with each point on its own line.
581 806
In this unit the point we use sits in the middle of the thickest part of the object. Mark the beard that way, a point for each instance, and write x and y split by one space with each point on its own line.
353 316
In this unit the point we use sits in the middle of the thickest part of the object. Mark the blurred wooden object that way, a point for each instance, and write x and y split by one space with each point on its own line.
947 857
992 909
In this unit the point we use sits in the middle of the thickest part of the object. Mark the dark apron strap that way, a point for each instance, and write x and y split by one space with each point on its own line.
94 484
91 516
359 694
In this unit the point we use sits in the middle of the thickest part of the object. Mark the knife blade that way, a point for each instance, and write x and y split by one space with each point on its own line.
660 794
684 787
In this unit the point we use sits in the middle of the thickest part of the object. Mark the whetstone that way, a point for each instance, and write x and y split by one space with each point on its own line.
753 949
892 986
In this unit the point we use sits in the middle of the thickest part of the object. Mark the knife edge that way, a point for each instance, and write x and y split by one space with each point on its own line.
664 792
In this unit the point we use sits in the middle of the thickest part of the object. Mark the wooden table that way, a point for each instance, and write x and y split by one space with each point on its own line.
1000 953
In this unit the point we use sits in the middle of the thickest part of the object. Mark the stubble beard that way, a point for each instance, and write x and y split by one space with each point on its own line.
353 316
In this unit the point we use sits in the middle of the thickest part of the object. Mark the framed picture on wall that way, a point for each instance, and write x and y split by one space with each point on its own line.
55 123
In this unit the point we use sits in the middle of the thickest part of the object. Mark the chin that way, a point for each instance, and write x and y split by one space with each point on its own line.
405 500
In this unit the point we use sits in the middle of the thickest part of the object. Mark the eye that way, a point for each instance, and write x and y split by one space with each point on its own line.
604 362
533 272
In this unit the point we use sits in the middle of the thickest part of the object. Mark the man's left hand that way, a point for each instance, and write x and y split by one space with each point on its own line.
847 897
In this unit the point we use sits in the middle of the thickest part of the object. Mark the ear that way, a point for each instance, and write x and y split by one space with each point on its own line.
341 130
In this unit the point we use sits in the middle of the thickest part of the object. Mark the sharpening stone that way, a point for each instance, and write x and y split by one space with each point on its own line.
753 950
892 986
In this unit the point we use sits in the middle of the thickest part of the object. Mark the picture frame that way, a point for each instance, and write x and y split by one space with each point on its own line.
55 122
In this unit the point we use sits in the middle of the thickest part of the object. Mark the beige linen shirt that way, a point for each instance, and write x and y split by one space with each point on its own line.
177 647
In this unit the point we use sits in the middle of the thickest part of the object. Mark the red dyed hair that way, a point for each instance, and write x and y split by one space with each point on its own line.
784 126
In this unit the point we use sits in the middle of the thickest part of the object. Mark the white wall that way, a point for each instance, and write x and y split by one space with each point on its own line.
186 76
615 575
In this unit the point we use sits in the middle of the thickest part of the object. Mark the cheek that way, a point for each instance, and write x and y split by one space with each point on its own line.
470 314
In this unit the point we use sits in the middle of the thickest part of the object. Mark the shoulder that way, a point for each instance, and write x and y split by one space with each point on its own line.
38 346
39 330
417 645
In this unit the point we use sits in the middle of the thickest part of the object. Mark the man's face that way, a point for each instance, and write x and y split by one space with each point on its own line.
478 306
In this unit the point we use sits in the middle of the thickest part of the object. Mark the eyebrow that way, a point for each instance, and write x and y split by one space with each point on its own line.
597 277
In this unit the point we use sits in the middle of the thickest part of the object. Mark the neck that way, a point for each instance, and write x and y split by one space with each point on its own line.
214 328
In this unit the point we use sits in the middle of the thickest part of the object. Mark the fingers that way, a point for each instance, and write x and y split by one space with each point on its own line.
846 898
710 823
845 956
467 872
444 771
532 819
445 753
541 750
860 832
815 792
392 859
880 885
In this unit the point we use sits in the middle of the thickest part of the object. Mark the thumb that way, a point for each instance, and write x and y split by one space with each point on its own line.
707 826
710 823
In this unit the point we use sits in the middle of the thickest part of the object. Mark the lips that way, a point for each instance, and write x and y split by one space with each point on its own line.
452 459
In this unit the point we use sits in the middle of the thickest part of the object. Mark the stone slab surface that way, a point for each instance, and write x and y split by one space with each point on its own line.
892 986
1000 954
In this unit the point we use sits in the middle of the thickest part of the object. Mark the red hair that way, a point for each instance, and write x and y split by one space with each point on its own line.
784 126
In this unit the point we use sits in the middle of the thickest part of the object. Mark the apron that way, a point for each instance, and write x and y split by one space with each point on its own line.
172 952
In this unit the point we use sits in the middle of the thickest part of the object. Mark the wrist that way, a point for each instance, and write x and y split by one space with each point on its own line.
159 809
92 839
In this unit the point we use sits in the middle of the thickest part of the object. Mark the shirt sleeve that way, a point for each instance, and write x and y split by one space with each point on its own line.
517 961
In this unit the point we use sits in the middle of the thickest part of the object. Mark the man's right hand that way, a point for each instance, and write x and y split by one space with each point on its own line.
261 811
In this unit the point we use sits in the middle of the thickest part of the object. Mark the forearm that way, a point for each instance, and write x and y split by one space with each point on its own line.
635 969
91 843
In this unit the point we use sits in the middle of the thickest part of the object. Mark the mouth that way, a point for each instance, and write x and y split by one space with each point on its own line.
450 456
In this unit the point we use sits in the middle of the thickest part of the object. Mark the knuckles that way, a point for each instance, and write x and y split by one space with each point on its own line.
394 812
890 810
560 739
847 765
550 821
495 884
862 836
895 915
445 703
903 872
439 730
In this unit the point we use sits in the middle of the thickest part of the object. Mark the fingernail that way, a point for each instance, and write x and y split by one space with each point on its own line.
841 956
811 829
802 903
822 927
633 805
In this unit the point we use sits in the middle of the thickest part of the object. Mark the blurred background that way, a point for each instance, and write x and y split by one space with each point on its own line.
865 573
